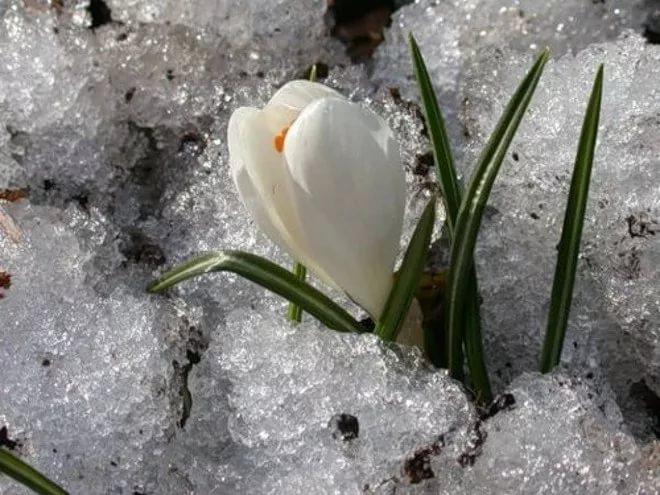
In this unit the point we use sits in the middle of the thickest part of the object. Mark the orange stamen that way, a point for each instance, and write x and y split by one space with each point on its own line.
279 139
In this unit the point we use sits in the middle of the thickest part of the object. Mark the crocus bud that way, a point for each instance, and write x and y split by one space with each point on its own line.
322 177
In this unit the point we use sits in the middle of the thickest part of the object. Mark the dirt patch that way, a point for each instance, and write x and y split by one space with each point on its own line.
13 195
418 467
5 282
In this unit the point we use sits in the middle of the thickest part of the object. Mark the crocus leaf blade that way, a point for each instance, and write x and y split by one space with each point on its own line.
569 245
268 275
295 312
474 347
472 207
15 468
451 195
403 291
449 186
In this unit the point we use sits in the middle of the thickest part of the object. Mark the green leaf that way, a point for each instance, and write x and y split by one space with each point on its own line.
268 275
295 312
451 191
569 246
403 291
474 345
15 468
471 211
451 195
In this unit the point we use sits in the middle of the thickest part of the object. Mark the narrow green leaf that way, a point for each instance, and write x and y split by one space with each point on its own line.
471 210
474 344
268 275
295 312
15 468
569 246
401 296
451 192
451 196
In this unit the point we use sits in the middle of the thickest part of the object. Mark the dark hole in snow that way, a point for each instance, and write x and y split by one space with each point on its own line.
100 13
5 441
652 27
82 200
641 391
423 163
344 427
368 323
129 95
360 25
192 143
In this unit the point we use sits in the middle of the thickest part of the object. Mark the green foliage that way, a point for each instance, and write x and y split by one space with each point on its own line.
569 245
13 467
472 207
403 292
451 196
268 275
295 312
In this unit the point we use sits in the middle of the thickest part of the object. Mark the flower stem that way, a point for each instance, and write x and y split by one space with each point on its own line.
295 312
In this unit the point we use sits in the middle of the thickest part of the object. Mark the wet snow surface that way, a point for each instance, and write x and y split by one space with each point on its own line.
113 166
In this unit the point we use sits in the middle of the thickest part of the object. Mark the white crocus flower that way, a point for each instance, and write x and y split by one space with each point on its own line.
322 177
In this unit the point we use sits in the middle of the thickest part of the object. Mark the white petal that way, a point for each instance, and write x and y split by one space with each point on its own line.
349 190
246 189
260 175
294 96
237 121
263 181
